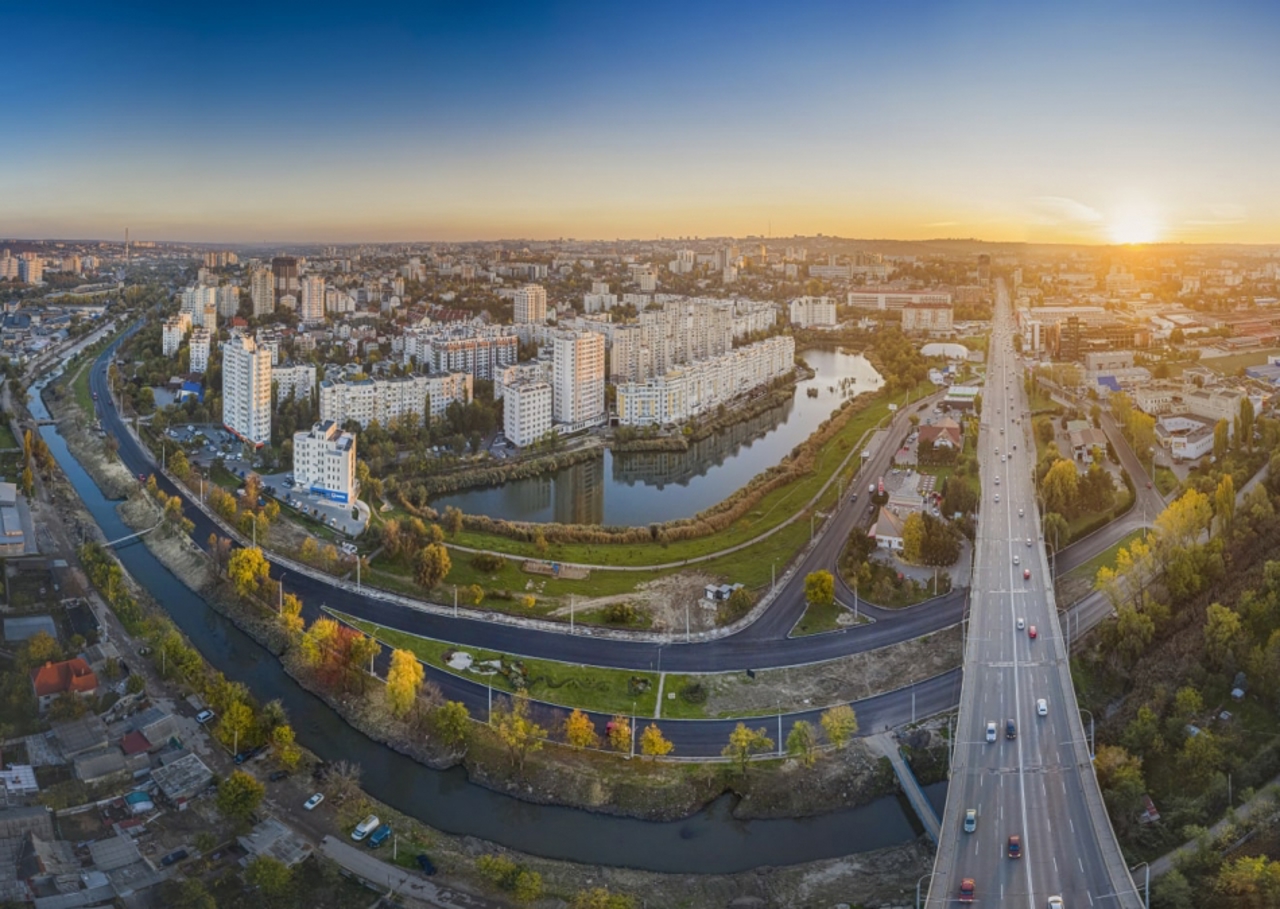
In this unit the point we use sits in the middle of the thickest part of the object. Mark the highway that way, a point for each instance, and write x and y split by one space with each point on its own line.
1036 783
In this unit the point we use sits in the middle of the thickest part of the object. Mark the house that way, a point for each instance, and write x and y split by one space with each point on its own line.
945 434
182 779
71 676
19 780
275 839
79 736
1084 441
97 766
888 531
156 724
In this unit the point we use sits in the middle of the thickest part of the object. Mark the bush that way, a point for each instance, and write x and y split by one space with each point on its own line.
694 693
486 561
621 613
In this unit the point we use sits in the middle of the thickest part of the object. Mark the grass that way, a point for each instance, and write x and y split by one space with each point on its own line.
80 388
7 438
821 619
569 684
1229 365
1089 570
1166 480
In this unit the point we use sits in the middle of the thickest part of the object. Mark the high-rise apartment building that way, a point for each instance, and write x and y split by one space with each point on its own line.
312 307
262 291
295 382
526 413
324 461
246 390
228 301
173 332
199 350
530 304
578 369
810 312
385 400
31 270
284 273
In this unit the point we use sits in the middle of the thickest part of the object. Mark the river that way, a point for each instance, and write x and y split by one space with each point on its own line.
713 841
640 488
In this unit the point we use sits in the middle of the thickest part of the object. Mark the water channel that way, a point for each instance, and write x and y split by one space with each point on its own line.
713 841
640 488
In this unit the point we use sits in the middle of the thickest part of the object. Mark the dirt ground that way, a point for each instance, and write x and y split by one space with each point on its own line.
663 599
846 679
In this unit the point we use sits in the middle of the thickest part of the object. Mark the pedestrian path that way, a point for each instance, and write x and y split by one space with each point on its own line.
397 881
910 785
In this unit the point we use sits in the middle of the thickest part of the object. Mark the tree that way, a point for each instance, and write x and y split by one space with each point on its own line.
453 520
1223 635
179 466
452 723
1182 522
1200 759
475 594
1143 735
1221 439
361 650
239 796
652 742
318 641
432 565
235 724
579 731
528 601
404 678
519 734
745 742
1245 434
187 893
1120 778
1224 504
1250 882
286 750
41 648
1134 631
1057 531
913 537
734 608
342 781
248 569
271 876
291 614
840 724
820 588
802 742
1059 487
619 731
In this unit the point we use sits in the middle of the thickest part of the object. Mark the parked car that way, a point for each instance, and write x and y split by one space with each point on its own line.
312 803
380 836
365 827
278 775
205 716
174 857
425 865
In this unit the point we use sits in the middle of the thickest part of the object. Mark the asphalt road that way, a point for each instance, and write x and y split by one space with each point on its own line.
1039 783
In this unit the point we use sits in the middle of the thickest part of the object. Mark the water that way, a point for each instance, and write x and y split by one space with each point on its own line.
713 841
640 488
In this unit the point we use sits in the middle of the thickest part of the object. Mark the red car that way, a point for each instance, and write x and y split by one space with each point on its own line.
1031 632
967 887
1015 847
1026 574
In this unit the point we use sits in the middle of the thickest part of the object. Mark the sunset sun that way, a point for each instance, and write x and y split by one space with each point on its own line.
1134 228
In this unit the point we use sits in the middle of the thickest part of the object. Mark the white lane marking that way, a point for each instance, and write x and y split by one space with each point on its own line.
1055 864
1073 826
1081 861
1090 895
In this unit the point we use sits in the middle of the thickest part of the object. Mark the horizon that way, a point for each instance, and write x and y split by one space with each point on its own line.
1079 126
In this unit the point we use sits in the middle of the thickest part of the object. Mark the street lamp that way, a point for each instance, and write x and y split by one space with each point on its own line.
921 881
1146 883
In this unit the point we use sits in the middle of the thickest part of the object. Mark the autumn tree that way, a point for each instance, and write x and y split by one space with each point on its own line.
286 751
1059 487
745 742
913 537
1221 439
517 732
235 724
179 466
248 570
652 742
820 588
840 723
452 520
1224 505
291 614
475 594
1183 521
272 877
1224 637
360 652
404 678
802 742
619 730
431 565
1249 881
1120 778
601 898
1245 423
452 722
239 796
318 640
579 731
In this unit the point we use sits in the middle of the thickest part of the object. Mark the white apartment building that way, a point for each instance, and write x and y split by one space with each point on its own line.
880 298
696 388
578 383
207 316
1214 404
31 270
195 299
751 316
324 462
520 372
483 352
174 331
9 267
201 340
262 291
313 299
813 312
228 301
297 381
935 318
599 302
246 390
526 415
385 400
530 304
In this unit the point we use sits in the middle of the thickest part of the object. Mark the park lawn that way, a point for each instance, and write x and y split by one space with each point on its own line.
7 438
225 478
566 684
1089 570
1231 364
80 388
1166 480
818 620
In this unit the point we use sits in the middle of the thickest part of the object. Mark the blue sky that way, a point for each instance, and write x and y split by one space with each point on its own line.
1083 121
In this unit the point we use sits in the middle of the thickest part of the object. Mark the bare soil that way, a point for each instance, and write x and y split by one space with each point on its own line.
663 600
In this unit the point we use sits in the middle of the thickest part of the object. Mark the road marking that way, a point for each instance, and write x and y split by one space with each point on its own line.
1090 895
1055 864
1081 861
1073 826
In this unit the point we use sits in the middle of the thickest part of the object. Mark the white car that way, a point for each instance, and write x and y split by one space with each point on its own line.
1022 623
1028 542
991 732
997 498
1019 512
204 716
1042 707
311 803
1055 902
1015 558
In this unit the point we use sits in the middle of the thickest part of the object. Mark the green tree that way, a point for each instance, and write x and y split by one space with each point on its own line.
432 565
286 751
179 466
1223 636
186 893
820 588
235 724
452 722
453 520
1120 778
1201 757
1059 487
1224 504
1250 882
1057 531
745 742
840 724
1221 439
239 796
272 877
1246 423
802 742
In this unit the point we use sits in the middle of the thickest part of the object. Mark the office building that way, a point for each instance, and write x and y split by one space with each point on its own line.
313 291
888 298
201 340
324 461
284 277
530 304
813 312
262 291
526 414
578 371
246 390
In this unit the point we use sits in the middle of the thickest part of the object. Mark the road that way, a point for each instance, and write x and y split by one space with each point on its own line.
1038 784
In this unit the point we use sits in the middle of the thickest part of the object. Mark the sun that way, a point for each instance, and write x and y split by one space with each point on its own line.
1131 228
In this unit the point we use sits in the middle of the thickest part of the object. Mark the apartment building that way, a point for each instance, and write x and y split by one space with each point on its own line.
246 390
201 340
173 332
481 351
813 312
228 301
884 298
578 369
526 413
284 278
312 305
324 461
384 400
530 304
262 291
297 381
933 318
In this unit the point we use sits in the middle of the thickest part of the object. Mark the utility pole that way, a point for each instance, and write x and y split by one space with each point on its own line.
455 601
570 613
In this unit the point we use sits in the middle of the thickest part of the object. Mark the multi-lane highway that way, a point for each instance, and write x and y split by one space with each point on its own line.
1023 768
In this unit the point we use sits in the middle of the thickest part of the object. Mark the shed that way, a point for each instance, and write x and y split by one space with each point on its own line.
182 779
114 852
276 839
27 626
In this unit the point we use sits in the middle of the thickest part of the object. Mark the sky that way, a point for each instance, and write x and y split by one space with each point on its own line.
238 122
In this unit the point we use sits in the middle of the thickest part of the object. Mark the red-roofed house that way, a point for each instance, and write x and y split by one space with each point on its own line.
70 676
135 743
945 432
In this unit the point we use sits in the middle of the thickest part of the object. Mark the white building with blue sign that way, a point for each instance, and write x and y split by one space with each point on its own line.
324 462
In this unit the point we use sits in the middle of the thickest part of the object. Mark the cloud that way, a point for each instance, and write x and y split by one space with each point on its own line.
1061 210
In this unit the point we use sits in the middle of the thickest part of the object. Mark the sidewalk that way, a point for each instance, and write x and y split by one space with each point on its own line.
396 880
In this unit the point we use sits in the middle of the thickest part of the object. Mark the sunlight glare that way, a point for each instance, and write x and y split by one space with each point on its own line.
1134 228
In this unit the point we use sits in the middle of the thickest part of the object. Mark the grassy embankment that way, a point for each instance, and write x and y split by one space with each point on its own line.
1077 583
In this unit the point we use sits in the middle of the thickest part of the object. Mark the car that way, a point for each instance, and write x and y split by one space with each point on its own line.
1042 707
380 836
1015 846
278 775
1015 558
425 865
312 803
967 888
997 498
1148 484
1022 623
970 820
205 716
1003 458
997 480
1026 575
366 827
1055 902
1032 633
174 857
1028 542
1019 512
1015 447
1001 430
1010 729
991 732
249 754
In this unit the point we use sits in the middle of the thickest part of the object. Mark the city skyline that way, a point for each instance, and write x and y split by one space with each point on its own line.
1094 124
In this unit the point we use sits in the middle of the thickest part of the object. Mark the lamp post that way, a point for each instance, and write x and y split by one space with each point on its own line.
921 881
1146 883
